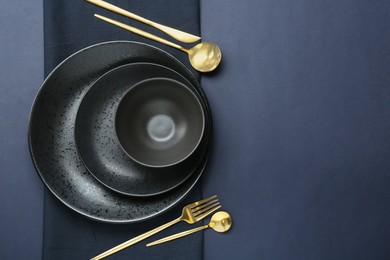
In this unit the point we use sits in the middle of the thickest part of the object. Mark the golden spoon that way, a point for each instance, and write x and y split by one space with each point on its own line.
220 222
204 57
174 33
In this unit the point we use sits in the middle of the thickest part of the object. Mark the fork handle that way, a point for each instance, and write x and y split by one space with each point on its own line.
178 235
136 239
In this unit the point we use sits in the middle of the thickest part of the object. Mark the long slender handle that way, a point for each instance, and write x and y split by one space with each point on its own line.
136 239
140 32
178 235
174 33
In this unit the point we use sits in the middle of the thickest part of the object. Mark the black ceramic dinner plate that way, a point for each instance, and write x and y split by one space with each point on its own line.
52 142
99 146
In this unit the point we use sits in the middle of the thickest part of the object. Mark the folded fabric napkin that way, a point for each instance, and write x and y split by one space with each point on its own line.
70 26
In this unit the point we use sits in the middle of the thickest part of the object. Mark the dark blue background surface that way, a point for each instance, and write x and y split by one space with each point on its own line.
21 74
302 116
302 128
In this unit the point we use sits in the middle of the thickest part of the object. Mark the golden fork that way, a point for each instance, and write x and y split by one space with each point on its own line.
174 33
191 214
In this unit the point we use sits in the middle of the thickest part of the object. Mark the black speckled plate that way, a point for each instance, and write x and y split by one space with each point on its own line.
52 141
99 147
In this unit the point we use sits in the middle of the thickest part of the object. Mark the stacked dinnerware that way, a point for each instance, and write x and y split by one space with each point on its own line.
120 131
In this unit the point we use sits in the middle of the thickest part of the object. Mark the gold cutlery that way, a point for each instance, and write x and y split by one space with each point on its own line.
191 214
204 57
174 33
220 222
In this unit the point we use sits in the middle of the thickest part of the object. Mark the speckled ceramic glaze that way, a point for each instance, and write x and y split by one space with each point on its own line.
52 141
99 147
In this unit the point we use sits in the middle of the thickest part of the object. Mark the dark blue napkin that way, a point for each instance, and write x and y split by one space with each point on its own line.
70 26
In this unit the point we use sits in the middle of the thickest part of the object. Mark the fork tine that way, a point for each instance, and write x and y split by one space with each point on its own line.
197 203
206 208
205 214
204 205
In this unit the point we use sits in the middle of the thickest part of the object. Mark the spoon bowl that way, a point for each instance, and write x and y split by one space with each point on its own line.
220 222
205 56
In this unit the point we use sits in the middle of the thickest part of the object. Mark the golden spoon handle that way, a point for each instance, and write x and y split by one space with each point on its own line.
178 235
142 33
174 33
135 239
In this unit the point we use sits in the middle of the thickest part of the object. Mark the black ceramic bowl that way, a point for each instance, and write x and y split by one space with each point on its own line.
159 122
